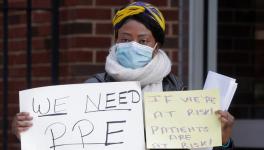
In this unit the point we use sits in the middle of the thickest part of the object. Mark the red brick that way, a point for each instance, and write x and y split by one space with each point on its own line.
86 13
17 72
111 3
17 3
64 70
1 29
170 15
1 87
40 43
101 56
121 3
17 59
17 32
1 133
69 2
41 31
14 147
17 45
74 2
175 29
40 82
167 28
41 57
41 71
104 28
41 3
88 42
63 42
174 3
157 3
16 85
175 56
13 98
41 16
19 17
13 102
1 112
76 28
12 139
171 42
76 56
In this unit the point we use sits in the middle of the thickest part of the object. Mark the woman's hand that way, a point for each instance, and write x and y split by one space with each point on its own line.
227 121
21 122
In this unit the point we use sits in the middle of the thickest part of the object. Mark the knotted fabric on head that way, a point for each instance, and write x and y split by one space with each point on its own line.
137 8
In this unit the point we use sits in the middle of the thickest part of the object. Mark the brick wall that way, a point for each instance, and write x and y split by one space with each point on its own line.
85 36
240 53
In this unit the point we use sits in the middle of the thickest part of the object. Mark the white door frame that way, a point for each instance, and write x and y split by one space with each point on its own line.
196 42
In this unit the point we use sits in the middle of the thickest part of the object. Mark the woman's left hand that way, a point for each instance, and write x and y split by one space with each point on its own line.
227 122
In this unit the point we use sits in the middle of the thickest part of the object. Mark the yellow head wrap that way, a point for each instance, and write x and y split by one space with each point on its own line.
137 8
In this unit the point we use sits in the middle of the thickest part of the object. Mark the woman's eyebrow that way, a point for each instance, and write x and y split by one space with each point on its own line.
143 35
125 33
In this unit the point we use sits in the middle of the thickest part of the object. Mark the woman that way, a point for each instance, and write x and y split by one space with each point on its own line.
136 56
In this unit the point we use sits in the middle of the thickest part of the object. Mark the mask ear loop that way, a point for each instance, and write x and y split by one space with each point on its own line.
154 50
112 50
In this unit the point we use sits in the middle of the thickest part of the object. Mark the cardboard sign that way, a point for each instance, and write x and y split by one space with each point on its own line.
84 116
184 119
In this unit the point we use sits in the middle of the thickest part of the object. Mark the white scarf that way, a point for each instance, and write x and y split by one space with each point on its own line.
149 76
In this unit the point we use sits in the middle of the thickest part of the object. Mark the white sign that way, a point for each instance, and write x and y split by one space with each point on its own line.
96 116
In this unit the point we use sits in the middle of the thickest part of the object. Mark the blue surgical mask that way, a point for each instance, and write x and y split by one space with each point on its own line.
133 55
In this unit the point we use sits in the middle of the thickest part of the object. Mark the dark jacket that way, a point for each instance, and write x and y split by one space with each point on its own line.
169 83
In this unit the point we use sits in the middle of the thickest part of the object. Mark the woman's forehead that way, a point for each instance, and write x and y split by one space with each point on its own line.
134 27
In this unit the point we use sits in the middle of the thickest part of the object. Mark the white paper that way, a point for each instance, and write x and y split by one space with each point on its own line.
226 85
97 116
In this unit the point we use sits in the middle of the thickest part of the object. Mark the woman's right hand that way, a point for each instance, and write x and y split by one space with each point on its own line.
21 123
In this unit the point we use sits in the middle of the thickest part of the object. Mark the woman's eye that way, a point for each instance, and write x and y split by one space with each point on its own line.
124 40
144 42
